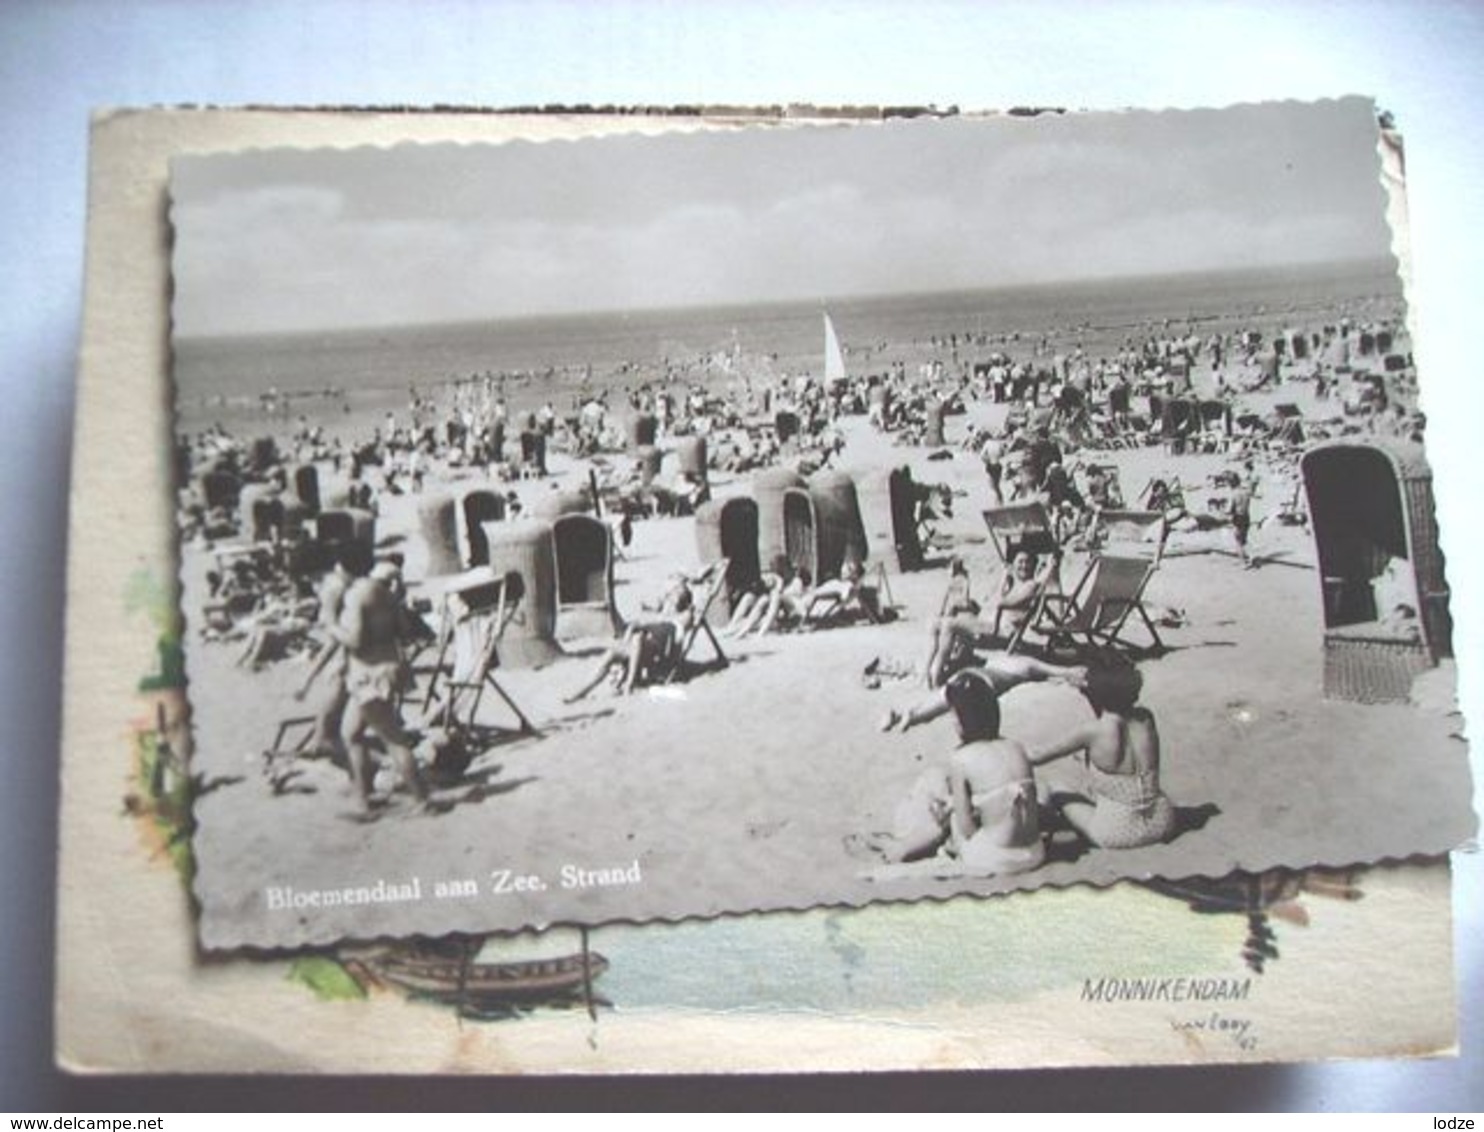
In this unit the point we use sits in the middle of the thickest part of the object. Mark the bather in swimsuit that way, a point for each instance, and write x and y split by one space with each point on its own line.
1129 809
1005 812
369 681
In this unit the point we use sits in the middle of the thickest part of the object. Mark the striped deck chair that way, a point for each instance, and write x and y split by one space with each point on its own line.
473 619
1132 533
1096 613
712 582
1020 526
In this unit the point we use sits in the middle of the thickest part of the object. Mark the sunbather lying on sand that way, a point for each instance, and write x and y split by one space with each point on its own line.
980 807
1002 670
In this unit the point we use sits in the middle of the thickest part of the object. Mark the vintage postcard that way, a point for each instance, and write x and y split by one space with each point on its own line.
639 528
350 383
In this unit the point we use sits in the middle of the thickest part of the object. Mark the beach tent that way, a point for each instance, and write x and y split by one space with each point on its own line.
728 528
933 428
841 533
690 457
304 488
220 489
261 513
1382 590
349 530
768 488
888 503
438 523
643 429
477 507
584 570
800 532
525 549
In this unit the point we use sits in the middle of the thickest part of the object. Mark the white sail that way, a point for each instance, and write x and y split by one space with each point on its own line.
834 360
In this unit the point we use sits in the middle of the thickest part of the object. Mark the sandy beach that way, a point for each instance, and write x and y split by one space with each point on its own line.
739 788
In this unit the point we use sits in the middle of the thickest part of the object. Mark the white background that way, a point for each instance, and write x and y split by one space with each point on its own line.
1422 61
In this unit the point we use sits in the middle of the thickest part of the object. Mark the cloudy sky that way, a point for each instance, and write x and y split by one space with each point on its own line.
298 240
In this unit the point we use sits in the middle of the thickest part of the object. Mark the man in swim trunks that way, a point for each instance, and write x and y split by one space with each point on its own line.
368 630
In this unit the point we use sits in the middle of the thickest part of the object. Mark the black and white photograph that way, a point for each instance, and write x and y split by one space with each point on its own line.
812 514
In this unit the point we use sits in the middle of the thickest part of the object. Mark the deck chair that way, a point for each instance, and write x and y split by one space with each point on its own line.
1017 527
474 615
1132 533
1097 611
713 581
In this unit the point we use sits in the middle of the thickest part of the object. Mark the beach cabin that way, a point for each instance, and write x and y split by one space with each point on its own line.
584 578
1384 598
728 528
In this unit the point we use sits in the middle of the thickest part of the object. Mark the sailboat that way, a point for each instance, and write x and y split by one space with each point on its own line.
834 359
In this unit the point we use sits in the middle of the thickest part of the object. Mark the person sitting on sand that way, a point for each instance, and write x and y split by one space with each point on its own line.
1123 806
368 631
650 647
956 635
981 808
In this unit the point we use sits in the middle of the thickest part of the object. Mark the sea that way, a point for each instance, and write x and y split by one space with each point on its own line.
348 379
